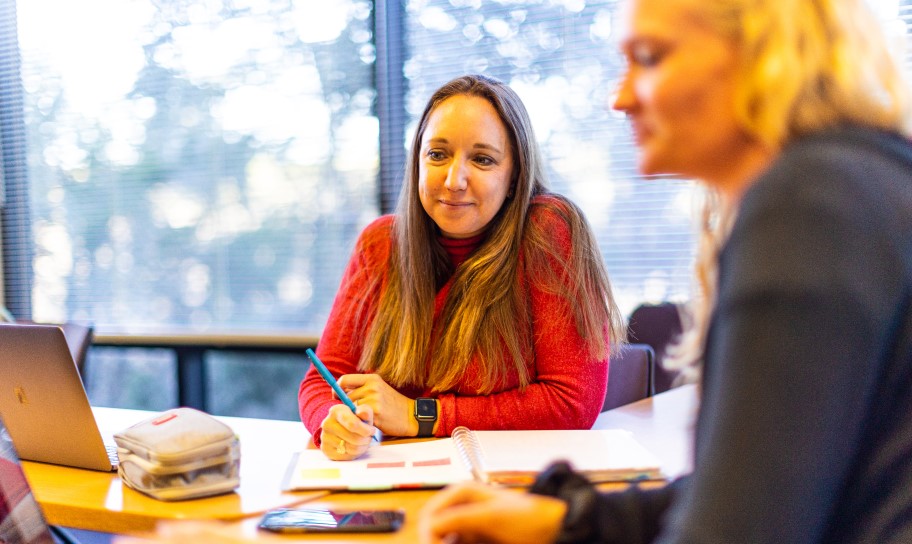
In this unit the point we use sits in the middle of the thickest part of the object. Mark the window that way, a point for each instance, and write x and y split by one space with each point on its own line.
207 164
196 164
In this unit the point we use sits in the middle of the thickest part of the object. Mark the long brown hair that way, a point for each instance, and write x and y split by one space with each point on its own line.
486 313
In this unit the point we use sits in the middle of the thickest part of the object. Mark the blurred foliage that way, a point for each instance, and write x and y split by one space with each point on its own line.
186 202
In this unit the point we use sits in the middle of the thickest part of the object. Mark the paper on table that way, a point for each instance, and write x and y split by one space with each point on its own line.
414 465
508 457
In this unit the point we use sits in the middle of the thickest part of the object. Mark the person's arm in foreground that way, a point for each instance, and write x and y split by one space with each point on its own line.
562 507
481 513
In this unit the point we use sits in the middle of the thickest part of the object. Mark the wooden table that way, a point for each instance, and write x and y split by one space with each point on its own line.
98 501
662 423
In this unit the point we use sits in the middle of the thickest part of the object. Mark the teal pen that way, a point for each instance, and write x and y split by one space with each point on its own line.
321 368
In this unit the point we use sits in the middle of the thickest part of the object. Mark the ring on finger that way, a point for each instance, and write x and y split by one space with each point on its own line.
340 449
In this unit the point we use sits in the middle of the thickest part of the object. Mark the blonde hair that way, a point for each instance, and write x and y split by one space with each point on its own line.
806 66
486 311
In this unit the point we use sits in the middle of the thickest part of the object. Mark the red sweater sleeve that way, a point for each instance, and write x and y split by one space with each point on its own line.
568 387
342 341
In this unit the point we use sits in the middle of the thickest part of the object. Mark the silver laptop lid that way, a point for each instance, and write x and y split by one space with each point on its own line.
43 402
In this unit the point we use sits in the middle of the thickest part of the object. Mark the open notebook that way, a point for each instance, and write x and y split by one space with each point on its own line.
500 457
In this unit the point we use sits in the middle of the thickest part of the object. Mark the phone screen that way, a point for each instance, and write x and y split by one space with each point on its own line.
309 520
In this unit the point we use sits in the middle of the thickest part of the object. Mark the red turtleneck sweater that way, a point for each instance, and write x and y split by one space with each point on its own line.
567 387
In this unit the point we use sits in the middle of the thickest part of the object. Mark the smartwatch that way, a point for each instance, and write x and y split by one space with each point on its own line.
426 415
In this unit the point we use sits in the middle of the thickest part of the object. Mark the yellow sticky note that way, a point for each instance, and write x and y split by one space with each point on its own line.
320 474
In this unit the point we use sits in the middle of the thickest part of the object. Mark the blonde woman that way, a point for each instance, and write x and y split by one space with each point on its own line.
794 114
482 302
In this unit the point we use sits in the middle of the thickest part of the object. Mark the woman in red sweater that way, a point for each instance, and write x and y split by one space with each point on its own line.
482 302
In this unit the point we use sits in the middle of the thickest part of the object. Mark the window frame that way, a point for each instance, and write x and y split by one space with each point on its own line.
15 216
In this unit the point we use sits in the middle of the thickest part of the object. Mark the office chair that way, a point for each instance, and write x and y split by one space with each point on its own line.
658 325
629 375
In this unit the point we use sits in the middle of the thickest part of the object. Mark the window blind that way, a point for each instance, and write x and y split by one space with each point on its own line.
193 164
14 190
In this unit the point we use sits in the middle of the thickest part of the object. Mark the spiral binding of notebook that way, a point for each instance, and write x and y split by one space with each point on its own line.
515 458
470 452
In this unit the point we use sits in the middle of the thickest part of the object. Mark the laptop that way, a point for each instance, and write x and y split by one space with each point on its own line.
21 520
43 402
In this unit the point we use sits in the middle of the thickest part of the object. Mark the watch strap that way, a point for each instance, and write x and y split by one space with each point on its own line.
426 428
425 422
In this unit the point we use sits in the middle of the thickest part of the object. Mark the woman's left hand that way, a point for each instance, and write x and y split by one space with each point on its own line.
392 410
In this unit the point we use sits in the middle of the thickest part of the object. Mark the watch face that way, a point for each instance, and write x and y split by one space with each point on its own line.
426 409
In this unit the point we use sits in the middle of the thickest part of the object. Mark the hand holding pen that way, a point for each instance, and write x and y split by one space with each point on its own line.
343 437
328 377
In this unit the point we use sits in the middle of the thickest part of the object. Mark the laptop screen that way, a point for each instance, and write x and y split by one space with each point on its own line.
21 521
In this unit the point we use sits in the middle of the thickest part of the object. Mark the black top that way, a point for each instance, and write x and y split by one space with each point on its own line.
805 427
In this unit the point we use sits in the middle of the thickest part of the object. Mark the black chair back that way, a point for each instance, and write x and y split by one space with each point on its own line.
629 376
658 325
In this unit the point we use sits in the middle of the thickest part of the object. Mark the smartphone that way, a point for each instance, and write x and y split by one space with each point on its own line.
319 520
